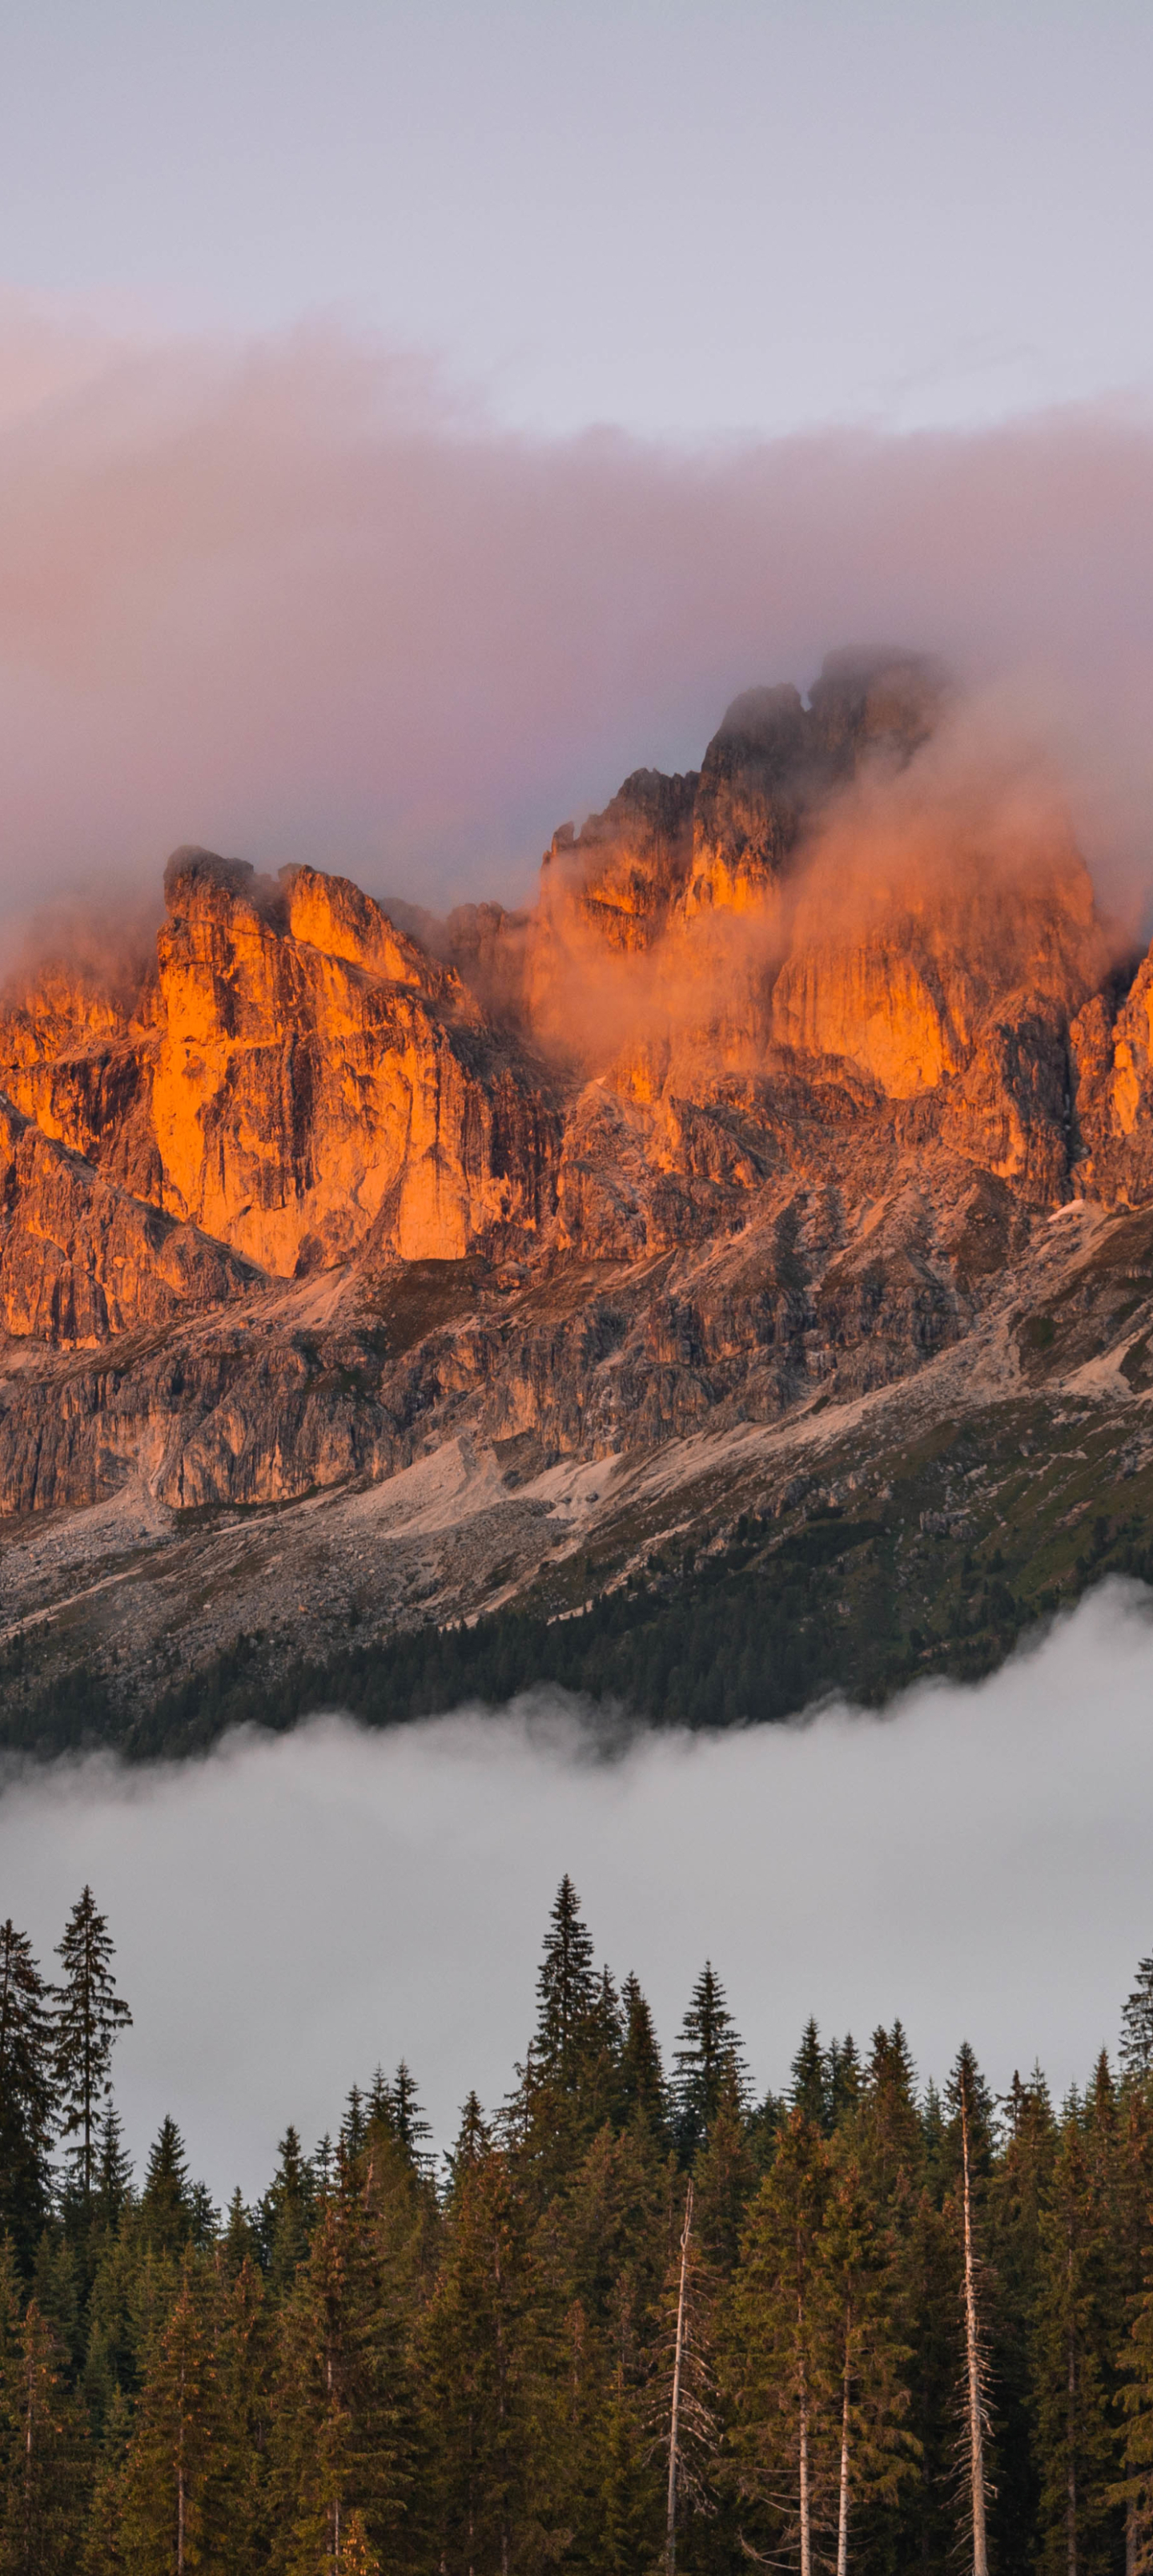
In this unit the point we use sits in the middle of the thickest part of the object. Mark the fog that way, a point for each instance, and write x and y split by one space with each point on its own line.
291 1912
300 598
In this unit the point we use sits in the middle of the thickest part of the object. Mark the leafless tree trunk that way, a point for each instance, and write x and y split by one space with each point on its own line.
843 2500
1071 2453
675 2414
975 2407
803 2450
180 2486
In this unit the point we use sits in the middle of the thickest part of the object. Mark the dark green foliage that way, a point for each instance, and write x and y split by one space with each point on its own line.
27 2094
707 2063
367 2371
90 2016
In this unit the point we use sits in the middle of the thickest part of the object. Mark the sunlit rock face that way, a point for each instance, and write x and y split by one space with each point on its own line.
785 971
317 1075
82 1260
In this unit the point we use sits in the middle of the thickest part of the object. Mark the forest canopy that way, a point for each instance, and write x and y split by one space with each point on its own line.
636 2319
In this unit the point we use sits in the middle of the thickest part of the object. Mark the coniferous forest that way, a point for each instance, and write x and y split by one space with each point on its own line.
636 2320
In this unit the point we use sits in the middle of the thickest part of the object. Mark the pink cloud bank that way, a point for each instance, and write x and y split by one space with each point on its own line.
296 600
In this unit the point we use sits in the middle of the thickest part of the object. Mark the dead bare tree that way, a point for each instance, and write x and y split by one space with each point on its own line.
975 2366
675 2409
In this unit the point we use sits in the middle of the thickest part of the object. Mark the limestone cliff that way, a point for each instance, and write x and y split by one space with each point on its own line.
765 1097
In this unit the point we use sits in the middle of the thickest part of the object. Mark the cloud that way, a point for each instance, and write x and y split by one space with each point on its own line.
289 1912
298 599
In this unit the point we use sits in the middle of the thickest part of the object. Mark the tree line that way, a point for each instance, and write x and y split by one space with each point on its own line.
637 2320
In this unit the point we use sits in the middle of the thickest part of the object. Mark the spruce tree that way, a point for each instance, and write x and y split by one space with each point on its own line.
784 2421
860 2356
472 2362
1072 2364
90 2016
26 2095
809 2088
166 2203
409 2124
113 2171
641 2089
173 2510
285 2216
566 1990
1136 2049
707 2061
42 2466
344 2412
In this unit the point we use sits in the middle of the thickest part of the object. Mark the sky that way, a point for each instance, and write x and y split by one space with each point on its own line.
414 417
291 1912
750 215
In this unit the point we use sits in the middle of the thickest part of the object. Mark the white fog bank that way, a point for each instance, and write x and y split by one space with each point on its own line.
290 1912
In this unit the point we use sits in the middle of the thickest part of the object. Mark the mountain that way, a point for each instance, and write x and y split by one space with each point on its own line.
731 1279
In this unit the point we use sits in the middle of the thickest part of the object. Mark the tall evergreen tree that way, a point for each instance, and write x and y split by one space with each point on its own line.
641 2090
784 2421
808 2086
285 2216
860 2356
42 2480
344 2413
566 1989
26 2095
166 2203
90 2016
471 2375
1072 2366
1137 2025
707 2061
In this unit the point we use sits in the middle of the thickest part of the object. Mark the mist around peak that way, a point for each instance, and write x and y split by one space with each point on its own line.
297 600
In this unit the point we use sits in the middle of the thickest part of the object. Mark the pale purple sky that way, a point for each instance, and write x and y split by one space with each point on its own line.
413 417
676 215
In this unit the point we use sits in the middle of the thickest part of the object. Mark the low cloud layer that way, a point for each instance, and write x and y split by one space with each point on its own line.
295 599
290 1913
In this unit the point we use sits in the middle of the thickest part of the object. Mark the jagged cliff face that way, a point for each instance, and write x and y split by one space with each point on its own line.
765 1099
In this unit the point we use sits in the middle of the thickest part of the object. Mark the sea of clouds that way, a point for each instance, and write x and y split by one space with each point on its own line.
291 1912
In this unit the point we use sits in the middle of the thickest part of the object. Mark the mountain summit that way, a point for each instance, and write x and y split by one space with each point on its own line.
361 1272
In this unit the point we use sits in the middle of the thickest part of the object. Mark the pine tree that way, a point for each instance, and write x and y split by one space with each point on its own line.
90 2016
285 2216
1013 2211
244 2383
471 2362
166 2203
1136 2050
26 2095
784 2426
707 2060
113 2172
172 2510
566 1990
640 2077
1071 2365
808 2089
42 2482
408 2122
345 2401
724 2178
888 2132
859 2356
